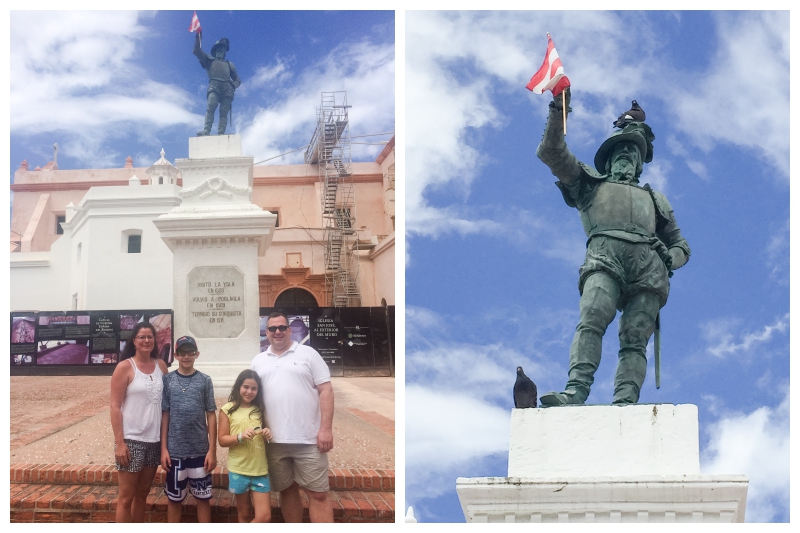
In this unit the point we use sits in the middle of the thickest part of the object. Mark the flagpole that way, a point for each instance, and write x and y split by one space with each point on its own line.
564 111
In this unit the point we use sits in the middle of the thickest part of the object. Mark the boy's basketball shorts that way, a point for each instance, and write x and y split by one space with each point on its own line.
188 471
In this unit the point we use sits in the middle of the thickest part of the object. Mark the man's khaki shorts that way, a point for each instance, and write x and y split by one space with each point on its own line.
302 463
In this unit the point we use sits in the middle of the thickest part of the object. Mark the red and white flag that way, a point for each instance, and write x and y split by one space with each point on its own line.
550 77
195 26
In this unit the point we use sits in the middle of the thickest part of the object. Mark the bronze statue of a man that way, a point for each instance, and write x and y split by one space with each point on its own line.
222 82
633 246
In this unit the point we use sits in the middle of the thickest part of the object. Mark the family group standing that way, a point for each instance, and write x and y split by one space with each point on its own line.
278 425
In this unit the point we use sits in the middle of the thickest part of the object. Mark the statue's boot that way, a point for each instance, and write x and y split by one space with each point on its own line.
568 397
597 309
629 378
636 325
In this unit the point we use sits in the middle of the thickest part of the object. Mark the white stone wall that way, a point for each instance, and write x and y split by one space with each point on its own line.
105 276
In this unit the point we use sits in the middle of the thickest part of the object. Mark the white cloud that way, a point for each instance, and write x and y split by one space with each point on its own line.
448 431
447 427
656 174
778 255
519 338
677 148
488 372
698 168
744 97
755 444
76 71
364 70
723 341
267 76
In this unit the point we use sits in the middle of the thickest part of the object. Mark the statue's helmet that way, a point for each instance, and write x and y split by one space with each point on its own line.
222 43
637 132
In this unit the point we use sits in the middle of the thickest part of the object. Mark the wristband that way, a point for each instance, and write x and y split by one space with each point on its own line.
239 437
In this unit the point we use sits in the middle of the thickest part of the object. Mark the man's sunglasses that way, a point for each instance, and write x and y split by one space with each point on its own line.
273 329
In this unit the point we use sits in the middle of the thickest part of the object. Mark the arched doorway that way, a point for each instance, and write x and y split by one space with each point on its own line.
296 297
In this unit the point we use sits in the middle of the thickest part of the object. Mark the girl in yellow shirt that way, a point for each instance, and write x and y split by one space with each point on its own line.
242 428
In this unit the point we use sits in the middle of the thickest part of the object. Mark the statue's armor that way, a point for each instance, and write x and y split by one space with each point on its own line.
620 210
219 70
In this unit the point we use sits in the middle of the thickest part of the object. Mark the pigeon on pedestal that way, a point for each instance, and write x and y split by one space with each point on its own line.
524 391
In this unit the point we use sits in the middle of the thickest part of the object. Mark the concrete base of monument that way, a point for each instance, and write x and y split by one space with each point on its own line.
604 463
604 440
215 146
604 499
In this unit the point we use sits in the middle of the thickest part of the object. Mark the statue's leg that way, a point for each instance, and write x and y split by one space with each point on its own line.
636 325
597 309
224 110
213 101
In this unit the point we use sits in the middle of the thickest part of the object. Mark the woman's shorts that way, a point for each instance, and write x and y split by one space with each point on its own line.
143 454
240 484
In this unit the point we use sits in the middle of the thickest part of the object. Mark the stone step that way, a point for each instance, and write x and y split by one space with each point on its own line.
87 493
338 478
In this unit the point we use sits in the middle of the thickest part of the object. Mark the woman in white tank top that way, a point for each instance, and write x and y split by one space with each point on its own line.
136 387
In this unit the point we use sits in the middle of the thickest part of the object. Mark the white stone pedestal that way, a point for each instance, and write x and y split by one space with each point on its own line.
636 463
216 236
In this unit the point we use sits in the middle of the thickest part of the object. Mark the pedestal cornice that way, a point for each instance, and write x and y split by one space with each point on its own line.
698 498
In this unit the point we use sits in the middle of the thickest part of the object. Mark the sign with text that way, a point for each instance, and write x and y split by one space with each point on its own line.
215 302
350 338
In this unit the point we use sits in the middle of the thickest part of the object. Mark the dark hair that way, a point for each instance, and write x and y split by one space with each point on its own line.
258 401
276 314
130 349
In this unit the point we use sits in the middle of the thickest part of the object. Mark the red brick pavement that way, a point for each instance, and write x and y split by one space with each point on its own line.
379 421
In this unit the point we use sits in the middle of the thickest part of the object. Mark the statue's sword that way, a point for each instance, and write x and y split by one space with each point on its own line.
657 350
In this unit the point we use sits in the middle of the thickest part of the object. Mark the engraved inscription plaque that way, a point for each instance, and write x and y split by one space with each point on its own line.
215 302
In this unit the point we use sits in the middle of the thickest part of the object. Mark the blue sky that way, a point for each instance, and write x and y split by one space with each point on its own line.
493 251
107 85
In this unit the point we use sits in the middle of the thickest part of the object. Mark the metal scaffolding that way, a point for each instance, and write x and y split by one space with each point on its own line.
330 150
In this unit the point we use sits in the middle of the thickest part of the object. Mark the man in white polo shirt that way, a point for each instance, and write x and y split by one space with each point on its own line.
298 397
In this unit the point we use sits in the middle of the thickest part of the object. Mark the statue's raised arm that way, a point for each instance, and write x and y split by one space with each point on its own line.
205 59
553 149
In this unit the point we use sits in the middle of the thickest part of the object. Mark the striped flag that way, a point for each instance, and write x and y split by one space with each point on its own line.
550 76
195 26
